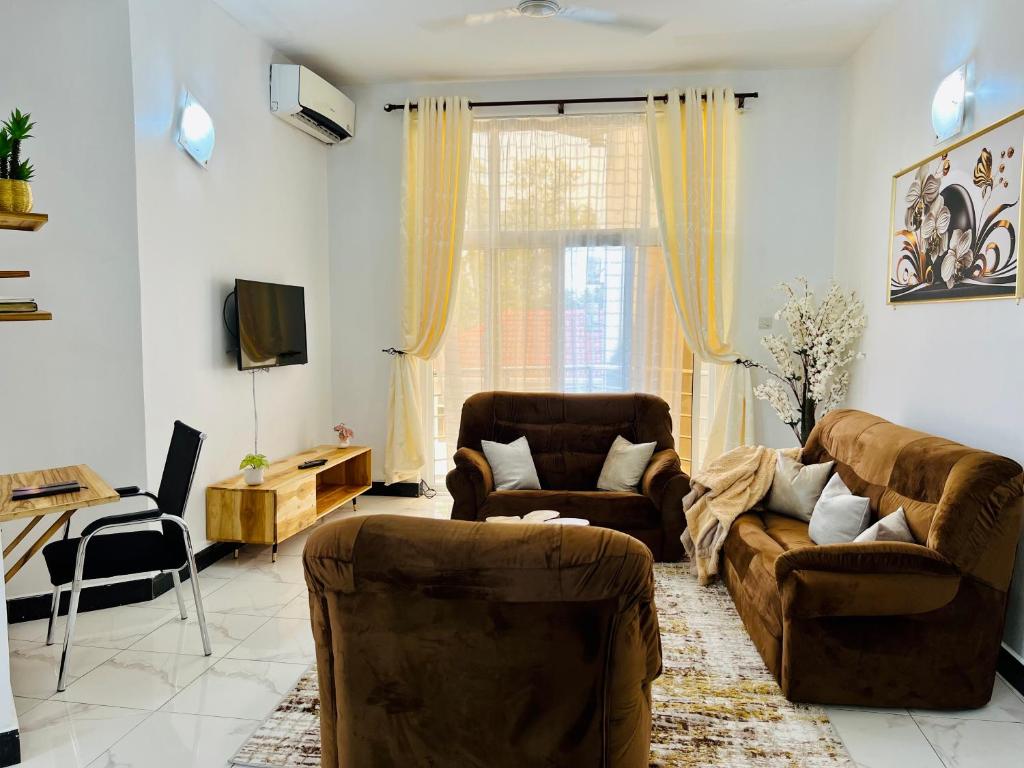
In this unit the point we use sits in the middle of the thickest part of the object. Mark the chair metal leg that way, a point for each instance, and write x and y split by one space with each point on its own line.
69 630
176 576
194 578
54 608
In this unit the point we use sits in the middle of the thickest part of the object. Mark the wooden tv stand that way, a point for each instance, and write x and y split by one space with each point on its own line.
289 499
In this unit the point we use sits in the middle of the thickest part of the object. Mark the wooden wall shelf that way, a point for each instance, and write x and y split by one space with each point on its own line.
10 317
13 273
25 222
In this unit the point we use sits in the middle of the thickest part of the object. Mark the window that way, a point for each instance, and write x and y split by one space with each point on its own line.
562 285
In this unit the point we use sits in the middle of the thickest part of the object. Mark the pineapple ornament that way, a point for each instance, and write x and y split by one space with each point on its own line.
15 173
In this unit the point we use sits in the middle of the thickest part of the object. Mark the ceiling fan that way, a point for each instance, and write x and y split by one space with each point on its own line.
550 9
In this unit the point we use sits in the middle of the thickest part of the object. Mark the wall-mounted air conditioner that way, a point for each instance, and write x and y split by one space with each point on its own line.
307 101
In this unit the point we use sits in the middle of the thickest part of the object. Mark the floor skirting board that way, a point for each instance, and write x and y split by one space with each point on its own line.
1011 668
10 748
411 490
110 595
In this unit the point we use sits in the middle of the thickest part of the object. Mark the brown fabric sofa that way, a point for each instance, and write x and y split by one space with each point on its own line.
569 436
443 643
885 624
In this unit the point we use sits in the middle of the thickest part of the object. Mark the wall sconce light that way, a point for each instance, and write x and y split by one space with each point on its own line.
195 131
949 103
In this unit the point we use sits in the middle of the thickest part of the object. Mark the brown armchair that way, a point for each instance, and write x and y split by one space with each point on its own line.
482 646
569 436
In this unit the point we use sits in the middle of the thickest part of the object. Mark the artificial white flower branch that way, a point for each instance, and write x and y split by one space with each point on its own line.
810 379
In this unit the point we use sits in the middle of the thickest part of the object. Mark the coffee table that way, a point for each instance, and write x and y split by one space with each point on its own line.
569 521
513 519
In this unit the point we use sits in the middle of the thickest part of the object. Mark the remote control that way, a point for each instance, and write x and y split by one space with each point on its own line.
312 463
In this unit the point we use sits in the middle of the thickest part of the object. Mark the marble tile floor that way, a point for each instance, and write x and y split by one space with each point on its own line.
144 696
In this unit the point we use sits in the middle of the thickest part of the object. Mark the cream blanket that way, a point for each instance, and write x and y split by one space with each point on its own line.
731 485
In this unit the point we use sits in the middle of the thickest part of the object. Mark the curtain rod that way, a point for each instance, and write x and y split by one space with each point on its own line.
741 99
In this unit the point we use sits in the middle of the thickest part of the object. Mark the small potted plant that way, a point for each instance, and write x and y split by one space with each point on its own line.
254 464
345 434
15 173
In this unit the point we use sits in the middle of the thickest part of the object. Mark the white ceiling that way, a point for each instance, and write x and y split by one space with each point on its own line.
359 41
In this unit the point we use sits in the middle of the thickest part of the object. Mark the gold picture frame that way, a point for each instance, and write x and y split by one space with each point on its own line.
945 250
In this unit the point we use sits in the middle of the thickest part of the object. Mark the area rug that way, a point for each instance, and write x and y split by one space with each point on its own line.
715 705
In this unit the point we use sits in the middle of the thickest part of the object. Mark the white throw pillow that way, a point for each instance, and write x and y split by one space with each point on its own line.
839 516
624 465
796 487
892 527
512 465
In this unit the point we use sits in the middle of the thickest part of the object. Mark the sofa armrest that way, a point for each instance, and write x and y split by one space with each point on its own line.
665 484
869 579
470 483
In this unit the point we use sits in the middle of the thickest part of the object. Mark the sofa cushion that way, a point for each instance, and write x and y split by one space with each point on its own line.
624 465
839 516
889 528
608 509
512 465
796 487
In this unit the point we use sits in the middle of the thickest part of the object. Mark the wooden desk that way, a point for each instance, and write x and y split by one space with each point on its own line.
289 499
94 491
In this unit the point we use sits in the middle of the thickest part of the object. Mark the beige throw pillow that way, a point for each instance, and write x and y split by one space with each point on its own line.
796 487
624 465
892 527
512 465
839 516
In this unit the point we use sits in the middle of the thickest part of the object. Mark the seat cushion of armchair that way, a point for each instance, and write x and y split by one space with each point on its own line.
609 509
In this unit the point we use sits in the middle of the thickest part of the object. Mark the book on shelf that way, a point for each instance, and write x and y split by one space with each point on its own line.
14 304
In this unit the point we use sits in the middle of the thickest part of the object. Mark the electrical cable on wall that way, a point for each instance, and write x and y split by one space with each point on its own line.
255 412
255 418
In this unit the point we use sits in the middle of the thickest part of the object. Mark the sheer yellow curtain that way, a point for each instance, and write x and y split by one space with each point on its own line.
693 164
437 141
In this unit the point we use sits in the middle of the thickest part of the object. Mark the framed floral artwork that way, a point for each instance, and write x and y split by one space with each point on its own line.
955 220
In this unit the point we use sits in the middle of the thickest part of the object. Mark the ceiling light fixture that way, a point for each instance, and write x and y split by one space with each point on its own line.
539 9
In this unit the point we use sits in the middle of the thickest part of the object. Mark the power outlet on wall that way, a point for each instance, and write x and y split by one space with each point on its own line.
764 323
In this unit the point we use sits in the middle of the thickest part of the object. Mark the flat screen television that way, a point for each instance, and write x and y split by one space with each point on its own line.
271 324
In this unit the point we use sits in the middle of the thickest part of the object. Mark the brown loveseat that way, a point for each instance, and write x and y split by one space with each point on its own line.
481 646
885 624
569 436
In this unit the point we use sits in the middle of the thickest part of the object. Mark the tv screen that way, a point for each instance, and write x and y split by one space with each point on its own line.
271 324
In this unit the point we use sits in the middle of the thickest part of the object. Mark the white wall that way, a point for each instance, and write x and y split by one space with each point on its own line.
259 212
951 369
82 390
786 213
72 387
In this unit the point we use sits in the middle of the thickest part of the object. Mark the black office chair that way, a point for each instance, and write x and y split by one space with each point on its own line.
123 554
